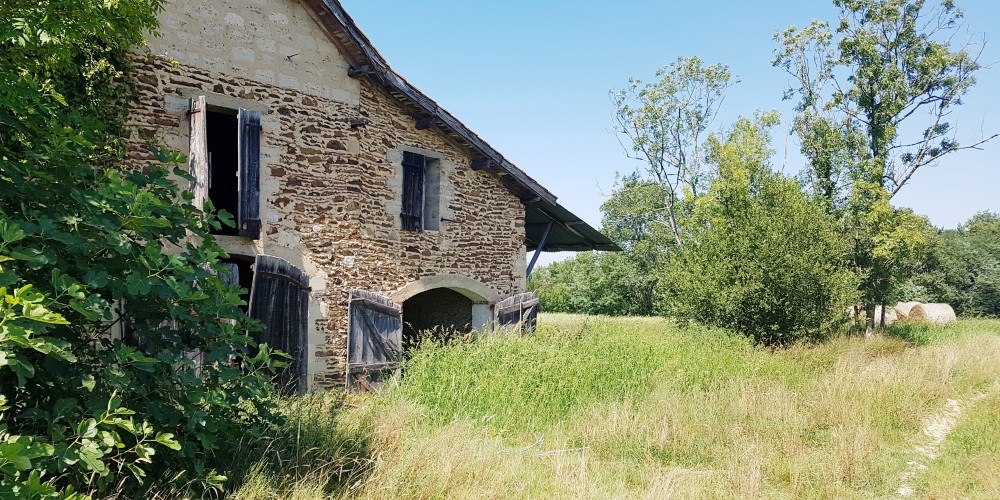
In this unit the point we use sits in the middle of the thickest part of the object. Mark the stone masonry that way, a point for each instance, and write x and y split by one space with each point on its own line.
331 154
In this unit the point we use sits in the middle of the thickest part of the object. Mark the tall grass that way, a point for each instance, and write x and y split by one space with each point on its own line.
641 408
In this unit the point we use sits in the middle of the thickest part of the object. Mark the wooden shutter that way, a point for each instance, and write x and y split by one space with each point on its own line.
412 213
198 151
279 298
248 216
518 311
374 338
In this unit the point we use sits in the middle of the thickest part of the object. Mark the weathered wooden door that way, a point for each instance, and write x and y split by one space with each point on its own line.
279 298
374 338
517 311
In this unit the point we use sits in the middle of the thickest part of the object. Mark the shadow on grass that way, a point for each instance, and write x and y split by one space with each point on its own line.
317 452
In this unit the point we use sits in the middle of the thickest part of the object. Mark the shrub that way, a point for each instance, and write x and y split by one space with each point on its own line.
761 258
87 245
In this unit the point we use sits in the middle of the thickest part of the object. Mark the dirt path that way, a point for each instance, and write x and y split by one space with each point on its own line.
935 431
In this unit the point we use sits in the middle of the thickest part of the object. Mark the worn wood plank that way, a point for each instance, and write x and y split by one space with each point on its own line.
375 337
198 151
279 298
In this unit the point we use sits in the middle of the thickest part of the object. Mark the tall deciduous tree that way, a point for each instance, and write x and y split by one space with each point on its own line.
875 96
664 124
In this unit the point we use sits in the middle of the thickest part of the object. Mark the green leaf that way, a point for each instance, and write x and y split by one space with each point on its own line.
167 439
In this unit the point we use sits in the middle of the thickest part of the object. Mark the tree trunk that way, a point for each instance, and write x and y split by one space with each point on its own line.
869 320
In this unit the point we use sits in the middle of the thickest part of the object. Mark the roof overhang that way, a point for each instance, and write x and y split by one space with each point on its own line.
568 232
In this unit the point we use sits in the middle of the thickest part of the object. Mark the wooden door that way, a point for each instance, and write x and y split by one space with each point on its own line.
374 339
517 312
279 298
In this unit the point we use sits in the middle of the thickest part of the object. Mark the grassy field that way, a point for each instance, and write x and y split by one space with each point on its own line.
641 408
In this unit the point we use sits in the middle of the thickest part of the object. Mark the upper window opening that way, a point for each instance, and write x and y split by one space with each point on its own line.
224 161
421 188
223 165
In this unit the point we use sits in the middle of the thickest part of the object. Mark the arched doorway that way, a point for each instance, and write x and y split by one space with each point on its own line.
439 313
447 303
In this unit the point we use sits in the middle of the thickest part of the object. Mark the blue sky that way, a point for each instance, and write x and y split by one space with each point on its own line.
532 78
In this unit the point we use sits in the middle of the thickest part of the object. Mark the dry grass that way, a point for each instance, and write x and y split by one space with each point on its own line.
638 408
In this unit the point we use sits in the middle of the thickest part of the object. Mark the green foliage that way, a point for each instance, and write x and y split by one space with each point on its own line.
613 283
87 247
763 258
887 64
961 268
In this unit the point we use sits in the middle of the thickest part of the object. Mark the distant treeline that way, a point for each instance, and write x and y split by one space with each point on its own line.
960 267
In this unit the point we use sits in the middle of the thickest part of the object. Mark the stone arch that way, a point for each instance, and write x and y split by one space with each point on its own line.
451 302
475 290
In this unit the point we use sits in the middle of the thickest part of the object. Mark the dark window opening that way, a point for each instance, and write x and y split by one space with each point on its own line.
223 164
413 191
421 209
439 314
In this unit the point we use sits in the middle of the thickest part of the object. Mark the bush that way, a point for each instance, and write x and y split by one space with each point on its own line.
87 246
761 258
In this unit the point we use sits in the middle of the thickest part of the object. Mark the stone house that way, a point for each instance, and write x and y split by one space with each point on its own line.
361 205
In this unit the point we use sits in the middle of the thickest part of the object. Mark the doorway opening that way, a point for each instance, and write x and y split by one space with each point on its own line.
438 314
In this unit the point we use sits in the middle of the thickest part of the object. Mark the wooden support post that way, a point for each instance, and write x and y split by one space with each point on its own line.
538 251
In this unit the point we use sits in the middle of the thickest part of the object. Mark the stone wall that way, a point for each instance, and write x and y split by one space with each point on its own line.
330 192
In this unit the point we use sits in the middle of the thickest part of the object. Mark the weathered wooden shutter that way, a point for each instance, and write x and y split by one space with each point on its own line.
248 218
412 213
374 338
519 311
198 151
279 298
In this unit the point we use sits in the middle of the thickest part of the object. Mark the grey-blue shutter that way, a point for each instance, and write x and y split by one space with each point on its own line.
518 311
279 298
248 216
374 338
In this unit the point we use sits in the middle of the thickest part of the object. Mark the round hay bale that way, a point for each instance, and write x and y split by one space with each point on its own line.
903 310
937 314
890 316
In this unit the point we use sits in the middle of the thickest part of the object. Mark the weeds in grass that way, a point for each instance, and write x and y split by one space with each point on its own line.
639 408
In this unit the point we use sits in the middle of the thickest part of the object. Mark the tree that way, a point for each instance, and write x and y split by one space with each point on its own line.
663 125
613 283
763 259
86 245
961 268
863 87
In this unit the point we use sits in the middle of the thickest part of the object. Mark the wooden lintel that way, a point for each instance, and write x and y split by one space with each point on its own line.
426 123
360 71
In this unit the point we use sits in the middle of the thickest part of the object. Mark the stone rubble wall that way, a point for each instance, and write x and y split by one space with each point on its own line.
330 192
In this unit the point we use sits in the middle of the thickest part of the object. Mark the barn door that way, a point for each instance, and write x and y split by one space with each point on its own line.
374 338
279 298
518 311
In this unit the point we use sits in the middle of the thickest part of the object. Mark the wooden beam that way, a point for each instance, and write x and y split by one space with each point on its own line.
481 164
531 200
428 122
367 69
